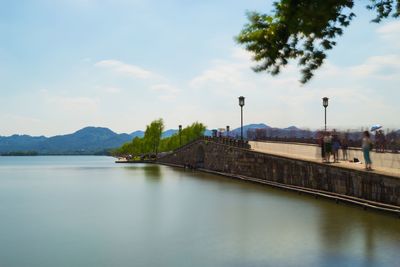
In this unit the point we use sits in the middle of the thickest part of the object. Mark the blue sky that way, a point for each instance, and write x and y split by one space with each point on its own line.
68 64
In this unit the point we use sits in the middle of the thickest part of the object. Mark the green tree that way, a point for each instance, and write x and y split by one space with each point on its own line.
152 135
302 30
152 142
192 132
125 149
137 146
188 134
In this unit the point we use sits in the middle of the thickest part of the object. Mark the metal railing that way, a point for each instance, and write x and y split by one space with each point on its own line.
391 146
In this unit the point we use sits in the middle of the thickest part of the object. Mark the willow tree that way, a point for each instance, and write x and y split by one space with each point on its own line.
152 135
303 30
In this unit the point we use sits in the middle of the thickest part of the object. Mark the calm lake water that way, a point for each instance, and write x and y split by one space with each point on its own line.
88 211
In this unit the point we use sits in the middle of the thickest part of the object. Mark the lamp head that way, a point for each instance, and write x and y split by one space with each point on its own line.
325 101
241 101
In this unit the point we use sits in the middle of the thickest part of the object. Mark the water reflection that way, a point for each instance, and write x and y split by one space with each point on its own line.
150 215
148 170
343 234
152 171
342 226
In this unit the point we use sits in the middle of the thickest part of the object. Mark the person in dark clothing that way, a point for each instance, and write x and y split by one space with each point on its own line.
345 146
335 146
327 146
382 141
321 145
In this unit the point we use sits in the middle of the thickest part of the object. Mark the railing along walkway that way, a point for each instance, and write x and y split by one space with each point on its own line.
220 140
383 163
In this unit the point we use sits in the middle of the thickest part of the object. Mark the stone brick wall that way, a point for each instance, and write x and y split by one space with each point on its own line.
313 152
238 161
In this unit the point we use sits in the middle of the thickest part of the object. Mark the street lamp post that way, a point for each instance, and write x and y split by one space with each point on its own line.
227 131
325 104
180 136
241 104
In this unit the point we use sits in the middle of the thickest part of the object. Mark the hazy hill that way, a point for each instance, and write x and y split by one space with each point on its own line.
137 134
246 128
88 140
85 141
169 133
20 143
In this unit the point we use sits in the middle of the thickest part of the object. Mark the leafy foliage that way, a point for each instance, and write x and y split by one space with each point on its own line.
303 30
152 135
152 142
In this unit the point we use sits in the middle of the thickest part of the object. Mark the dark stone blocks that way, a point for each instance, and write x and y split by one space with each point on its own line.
236 160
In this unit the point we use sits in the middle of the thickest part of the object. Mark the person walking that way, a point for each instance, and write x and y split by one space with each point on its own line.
327 146
382 141
345 146
335 147
320 139
377 141
366 148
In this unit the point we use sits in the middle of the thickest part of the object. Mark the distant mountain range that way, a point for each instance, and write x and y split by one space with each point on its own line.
89 140
97 140
246 128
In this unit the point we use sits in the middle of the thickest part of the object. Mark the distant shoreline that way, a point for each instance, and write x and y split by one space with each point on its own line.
20 154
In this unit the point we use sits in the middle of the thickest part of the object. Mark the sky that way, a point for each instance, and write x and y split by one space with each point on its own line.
68 64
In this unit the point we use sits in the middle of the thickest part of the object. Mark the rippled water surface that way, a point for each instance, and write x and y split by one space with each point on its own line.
89 211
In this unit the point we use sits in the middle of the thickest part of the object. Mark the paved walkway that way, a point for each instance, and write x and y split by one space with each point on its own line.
384 163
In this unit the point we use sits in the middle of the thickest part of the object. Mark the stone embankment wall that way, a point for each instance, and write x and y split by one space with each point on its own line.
238 161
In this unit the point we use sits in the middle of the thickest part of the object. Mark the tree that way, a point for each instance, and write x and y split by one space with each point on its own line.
188 134
137 146
192 132
152 142
302 30
152 135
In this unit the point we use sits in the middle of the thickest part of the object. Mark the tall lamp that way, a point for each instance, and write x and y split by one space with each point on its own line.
325 105
180 136
241 104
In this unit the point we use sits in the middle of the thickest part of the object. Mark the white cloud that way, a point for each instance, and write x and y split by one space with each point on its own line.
19 118
383 67
165 92
77 103
112 90
165 88
225 72
222 79
225 77
73 104
124 68
221 72
390 32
